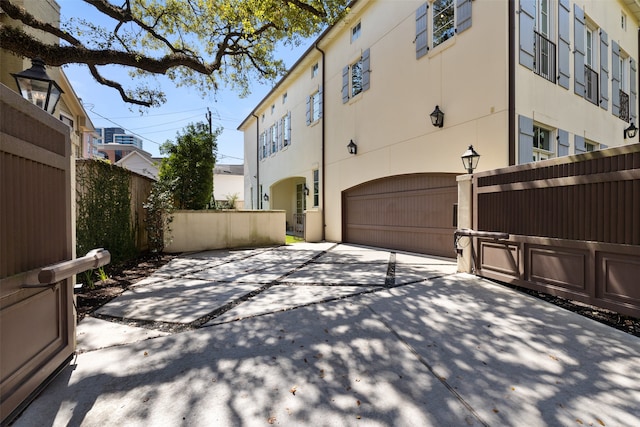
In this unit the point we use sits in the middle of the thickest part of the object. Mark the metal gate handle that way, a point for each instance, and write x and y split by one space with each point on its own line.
63 270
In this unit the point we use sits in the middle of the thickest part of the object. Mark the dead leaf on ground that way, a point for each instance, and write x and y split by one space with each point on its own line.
322 373
146 354
293 390
600 421
495 410
579 421
271 420
358 402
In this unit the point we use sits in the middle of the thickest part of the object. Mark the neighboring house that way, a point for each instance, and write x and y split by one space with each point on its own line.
228 181
69 109
520 80
141 163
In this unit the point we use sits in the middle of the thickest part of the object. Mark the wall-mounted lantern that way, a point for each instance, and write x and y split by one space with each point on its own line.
265 197
470 159
37 87
631 131
437 117
306 190
352 147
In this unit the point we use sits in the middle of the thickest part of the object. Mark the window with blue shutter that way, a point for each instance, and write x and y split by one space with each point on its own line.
633 93
615 79
345 85
564 39
563 143
463 15
527 22
578 52
320 103
422 46
366 70
525 140
308 110
604 70
578 145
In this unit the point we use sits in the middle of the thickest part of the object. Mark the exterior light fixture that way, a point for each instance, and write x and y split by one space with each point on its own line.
631 131
352 147
265 197
437 117
306 190
470 159
37 87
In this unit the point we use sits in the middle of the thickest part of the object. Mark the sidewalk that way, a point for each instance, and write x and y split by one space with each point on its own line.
339 335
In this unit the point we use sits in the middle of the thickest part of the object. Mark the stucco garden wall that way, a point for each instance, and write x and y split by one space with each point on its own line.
203 230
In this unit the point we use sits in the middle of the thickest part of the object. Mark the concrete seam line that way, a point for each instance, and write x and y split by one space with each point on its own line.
424 362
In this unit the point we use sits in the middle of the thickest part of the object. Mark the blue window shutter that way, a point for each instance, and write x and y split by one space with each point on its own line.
345 84
633 92
615 79
320 102
578 52
289 126
308 110
564 39
604 70
603 146
260 146
280 124
421 31
525 140
527 20
463 15
563 143
578 145
366 70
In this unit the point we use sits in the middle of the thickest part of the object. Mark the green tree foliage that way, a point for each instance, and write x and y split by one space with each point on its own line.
103 210
196 42
188 169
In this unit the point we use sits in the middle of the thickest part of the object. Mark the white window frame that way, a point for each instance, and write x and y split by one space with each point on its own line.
316 188
542 153
67 120
284 97
623 21
591 146
588 47
286 130
315 106
443 29
624 72
356 31
544 18
274 138
314 70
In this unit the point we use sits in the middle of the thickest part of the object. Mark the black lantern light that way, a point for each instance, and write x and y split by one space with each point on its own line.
37 87
631 131
470 159
352 147
306 190
265 197
437 117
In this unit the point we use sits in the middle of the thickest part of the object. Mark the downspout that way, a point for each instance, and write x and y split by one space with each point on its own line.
257 161
324 118
512 83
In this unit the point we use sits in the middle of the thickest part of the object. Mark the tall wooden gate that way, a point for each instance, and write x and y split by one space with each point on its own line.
574 226
37 326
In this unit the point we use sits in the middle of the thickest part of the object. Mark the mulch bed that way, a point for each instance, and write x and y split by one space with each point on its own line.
124 275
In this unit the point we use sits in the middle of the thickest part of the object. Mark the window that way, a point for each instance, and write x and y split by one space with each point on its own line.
356 77
315 106
623 21
285 124
542 144
263 145
443 22
543 20
314 70
589 47
284 98
66 120
590 64
274 138
263 118
591 146
316 188
273 108
355 32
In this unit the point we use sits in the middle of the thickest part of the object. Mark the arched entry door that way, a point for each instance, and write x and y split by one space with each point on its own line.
406 212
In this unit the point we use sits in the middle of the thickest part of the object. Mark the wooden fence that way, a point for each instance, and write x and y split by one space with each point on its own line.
574 226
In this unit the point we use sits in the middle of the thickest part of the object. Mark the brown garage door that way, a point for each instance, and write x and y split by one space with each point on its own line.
406 212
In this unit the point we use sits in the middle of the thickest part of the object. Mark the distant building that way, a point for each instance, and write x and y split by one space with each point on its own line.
140 163
127 139
114 144
228 181
106 134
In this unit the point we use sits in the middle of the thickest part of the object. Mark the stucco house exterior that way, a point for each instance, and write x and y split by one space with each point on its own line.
140 162
520 80
228 181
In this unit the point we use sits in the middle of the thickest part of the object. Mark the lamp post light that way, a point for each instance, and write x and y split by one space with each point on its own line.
352 147
470 159
631 131
37 87
437 117
265 197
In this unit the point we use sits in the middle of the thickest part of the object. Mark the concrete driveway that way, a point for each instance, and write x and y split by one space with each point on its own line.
338 335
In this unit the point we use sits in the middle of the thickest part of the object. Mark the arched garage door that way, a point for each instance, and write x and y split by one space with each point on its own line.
406 212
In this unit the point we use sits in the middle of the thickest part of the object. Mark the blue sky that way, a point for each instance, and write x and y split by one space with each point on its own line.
184 105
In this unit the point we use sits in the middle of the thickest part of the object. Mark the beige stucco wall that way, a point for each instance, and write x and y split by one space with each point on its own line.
551 105
227 185
203 230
